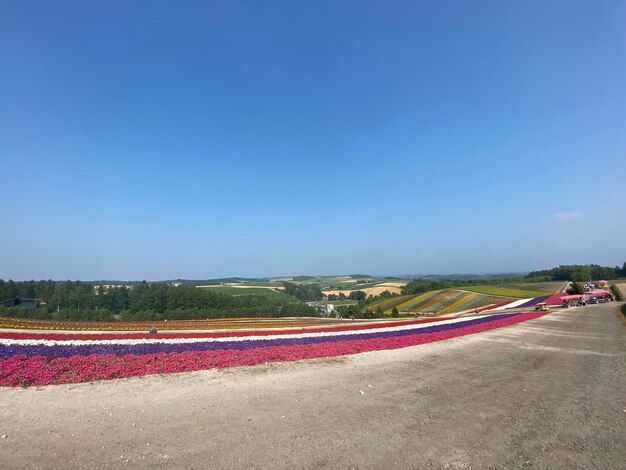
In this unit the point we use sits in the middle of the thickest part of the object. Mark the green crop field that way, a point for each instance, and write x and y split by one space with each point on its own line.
263 284
238 291
506 291
549 287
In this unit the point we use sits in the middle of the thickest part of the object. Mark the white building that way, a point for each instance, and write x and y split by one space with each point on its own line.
323 307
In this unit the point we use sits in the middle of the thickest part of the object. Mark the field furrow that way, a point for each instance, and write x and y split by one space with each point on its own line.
452 297
406 306
390 303
418 308
460 302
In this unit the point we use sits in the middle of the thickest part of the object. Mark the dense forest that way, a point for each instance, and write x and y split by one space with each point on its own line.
304 292
77 300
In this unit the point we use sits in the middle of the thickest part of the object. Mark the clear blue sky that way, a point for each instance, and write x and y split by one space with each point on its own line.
201 139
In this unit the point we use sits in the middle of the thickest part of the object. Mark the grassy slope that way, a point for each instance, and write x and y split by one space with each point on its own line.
506 291
550 287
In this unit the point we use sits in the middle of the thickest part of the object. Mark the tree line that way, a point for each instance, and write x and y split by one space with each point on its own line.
77 300
304 292
578 272
360 295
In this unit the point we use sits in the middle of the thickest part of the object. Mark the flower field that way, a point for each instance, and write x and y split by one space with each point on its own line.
416 299
438 302
34 358
388 305
460 304
446 301
212 324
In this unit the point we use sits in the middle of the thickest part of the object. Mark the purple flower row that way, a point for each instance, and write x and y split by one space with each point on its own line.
534 301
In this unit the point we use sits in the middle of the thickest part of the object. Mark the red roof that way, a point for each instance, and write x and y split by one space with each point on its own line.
597 292
554 300
568 297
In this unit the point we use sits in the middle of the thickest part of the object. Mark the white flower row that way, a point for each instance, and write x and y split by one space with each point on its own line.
513 304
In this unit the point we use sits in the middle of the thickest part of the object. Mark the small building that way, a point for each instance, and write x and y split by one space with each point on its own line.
19 302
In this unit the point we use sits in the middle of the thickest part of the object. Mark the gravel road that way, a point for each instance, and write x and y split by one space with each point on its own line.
547 393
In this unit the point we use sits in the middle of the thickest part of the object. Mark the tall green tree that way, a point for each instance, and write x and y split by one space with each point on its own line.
575 288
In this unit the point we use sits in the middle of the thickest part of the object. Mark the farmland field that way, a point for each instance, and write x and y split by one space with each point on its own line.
506 291
550 287
337 282
373 289
252 290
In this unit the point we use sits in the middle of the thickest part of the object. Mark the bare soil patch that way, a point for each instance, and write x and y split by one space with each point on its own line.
393 287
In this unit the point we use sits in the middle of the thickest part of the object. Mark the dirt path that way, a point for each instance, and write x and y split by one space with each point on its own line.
543 394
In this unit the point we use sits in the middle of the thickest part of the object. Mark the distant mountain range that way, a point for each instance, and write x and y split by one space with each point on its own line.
305 278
